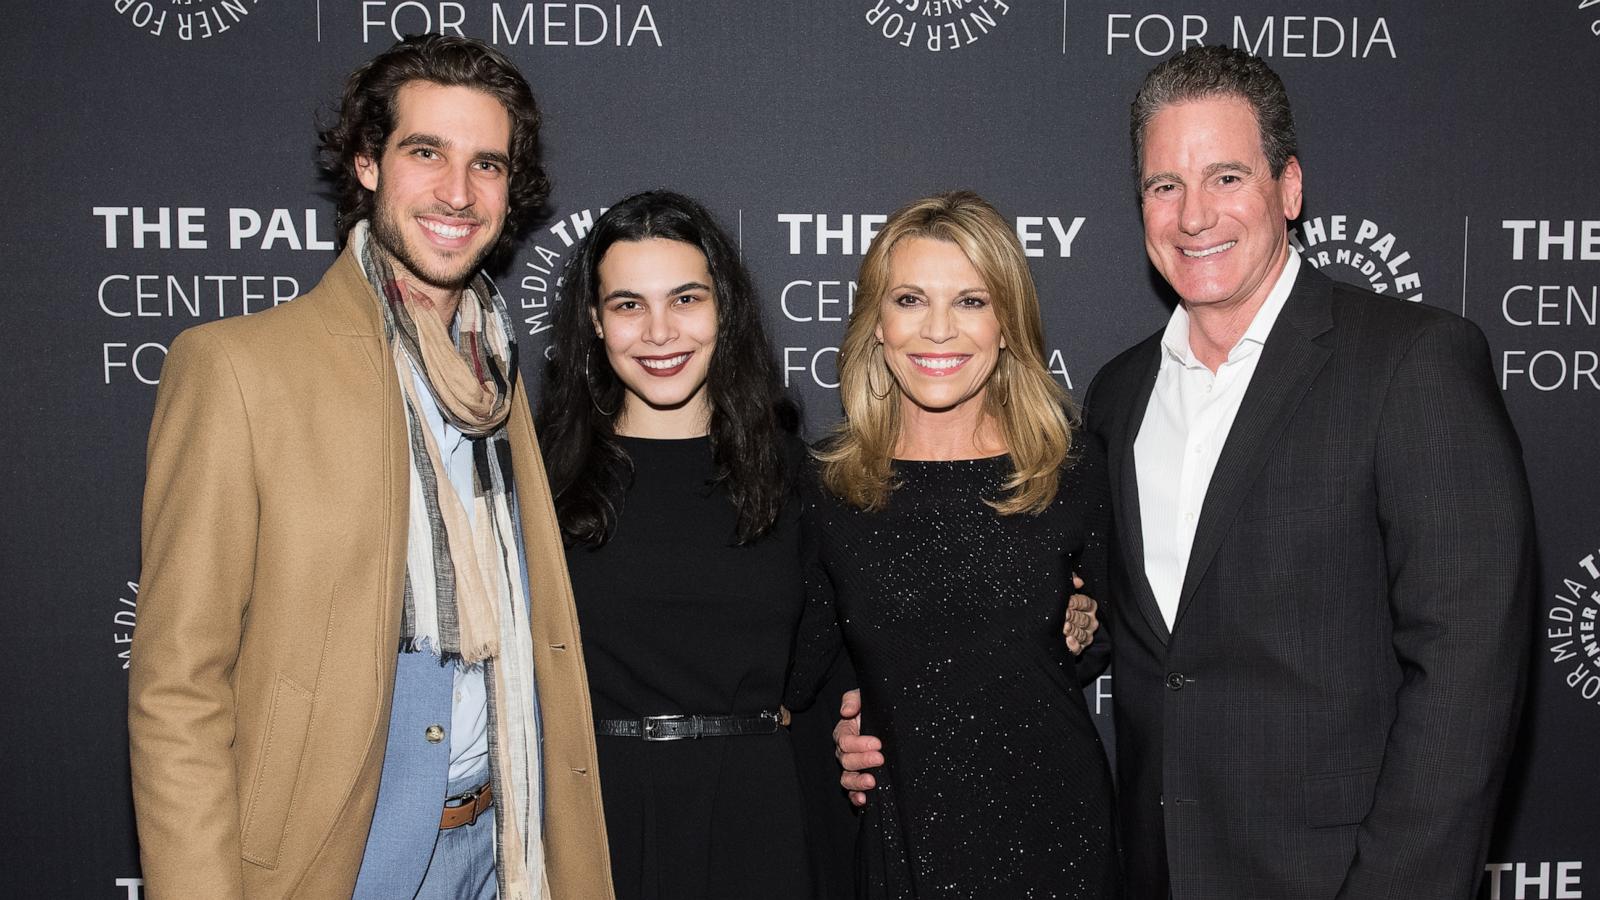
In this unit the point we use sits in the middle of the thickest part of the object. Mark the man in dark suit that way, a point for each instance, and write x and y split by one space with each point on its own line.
1327 562
1320 603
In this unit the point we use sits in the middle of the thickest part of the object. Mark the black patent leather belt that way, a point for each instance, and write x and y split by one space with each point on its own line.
678 728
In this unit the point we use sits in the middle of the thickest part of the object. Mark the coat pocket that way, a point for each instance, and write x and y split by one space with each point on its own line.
1341 798
277 771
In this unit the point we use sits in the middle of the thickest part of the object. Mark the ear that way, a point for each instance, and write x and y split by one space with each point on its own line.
1290 186
877 332
367 171
594 319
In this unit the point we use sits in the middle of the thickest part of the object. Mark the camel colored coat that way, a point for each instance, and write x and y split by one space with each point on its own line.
275 519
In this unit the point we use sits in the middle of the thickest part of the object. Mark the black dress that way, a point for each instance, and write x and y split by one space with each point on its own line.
677 620
995 783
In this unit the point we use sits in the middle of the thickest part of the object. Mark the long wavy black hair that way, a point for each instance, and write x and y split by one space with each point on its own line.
581 396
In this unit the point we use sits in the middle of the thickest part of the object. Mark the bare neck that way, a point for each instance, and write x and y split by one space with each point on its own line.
961 432
1215 328
1213 332
641 420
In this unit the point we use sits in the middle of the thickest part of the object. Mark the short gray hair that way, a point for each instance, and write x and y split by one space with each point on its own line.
1199 73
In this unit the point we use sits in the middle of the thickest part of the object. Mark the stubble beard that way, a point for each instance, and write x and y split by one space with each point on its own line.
386 230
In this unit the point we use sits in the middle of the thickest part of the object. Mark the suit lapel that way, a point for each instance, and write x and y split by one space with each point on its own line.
355 312
351 313
1290 361
1125 479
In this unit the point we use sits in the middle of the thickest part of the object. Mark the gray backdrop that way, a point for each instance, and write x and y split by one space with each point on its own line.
162 160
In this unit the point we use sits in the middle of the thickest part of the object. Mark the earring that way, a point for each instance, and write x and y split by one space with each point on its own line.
1002 374
588 382
872 369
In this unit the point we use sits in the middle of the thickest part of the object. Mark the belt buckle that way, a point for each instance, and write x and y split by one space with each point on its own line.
469 799
649 727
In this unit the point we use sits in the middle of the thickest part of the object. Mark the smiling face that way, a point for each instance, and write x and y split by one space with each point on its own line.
658 318
1215 220
440 183
941 338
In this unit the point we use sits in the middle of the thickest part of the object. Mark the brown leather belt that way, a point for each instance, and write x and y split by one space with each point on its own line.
466 809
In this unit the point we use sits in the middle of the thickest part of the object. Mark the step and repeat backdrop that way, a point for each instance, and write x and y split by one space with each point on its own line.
163 175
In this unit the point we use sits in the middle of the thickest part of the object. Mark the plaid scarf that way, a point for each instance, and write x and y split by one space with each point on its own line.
464 594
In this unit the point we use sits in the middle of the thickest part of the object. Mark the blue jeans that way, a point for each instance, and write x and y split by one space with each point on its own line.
462 867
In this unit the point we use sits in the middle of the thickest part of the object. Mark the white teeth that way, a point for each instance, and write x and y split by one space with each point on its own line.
668 363
447 231
939 362
1196 254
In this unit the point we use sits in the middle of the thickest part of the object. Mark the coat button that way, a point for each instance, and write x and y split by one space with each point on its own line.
1175 680
434 734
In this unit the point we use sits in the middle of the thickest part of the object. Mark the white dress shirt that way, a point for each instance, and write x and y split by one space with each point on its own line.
1185 426
469 711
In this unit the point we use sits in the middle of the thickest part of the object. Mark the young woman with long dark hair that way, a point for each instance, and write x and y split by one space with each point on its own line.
673 458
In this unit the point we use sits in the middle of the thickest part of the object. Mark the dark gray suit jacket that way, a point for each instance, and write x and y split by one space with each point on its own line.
1332 712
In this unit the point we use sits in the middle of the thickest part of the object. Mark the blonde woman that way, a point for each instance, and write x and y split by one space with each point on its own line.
957 502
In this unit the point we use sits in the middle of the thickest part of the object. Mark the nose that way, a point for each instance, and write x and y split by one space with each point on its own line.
660 328
1197 213
454 188
938 325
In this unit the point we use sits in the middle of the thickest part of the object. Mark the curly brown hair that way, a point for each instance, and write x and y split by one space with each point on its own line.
367 113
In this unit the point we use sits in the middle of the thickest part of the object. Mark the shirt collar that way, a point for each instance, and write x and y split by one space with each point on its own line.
1175 339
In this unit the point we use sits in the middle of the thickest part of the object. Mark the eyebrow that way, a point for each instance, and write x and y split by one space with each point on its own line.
439 143
1231 165
980 289
496 157
1154 177
625 294
423 140
1212 170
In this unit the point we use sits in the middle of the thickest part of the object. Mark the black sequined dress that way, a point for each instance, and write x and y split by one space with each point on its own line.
995 783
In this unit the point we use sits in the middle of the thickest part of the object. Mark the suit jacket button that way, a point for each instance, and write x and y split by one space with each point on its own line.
434 734
1175 680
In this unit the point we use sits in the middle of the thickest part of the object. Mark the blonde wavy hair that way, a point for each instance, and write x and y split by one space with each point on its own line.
1033 413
